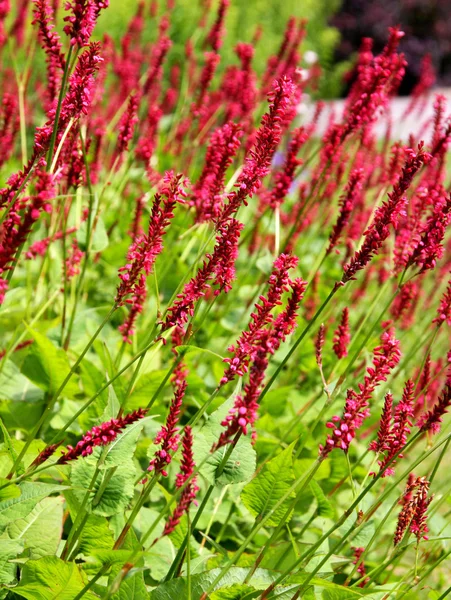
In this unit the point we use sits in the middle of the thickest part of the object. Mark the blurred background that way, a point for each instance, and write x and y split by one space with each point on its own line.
334 32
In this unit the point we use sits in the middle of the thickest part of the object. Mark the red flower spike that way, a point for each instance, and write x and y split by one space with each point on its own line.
189 493
145 249
431 420
385 215
208 192
414 511
347 202
244 412
244 348
219 267
344 428
258 161
342 335
168 435
100 435
81 23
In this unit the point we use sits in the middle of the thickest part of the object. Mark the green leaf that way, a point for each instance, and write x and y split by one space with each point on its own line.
9 549
117 493
189 349
96 535
145 388
41 529
16 387
20 506
237 591
50 578
132 588
324 507
242 462
11 491
271 484
47 366
99 239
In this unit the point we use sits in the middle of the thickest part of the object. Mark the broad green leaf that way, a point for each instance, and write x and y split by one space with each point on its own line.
9 549
16 387
50 578
117 493
132 588
324 506
41 529
11 491
261 495
242 462
145 388
20 506
237 591
96 535
123 447
99 239
189 349
47 366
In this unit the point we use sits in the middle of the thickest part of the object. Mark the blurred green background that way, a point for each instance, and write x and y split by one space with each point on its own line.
243 18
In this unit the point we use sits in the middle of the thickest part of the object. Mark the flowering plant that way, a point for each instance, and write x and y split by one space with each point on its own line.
225 354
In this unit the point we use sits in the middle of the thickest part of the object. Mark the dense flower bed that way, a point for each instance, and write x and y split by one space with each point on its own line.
225 337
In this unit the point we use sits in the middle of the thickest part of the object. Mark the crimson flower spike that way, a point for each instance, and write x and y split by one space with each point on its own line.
127 126
284 178
444 310
356 409
347 202
244 411
50 42
207 196
319 343
429 248
218 268
16 228
431 420
278 283
215 35
74 105
414 511
81 23
189 493
100 435
9 120
145 249
342 336
385 215
258 161
168 435
392 436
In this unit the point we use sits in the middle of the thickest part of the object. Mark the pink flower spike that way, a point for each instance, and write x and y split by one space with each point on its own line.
189 493
168 435
342 336
100 435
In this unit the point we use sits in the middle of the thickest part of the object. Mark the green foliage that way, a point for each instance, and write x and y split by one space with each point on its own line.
50 578
271 484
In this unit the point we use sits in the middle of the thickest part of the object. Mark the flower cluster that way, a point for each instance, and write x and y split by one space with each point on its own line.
100 435
431 420
356 409
394 429
145 249
184 478
342 335
413 514
168 435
